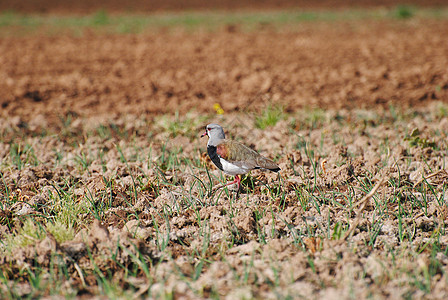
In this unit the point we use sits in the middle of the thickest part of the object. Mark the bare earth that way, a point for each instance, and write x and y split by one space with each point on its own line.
317 65
99 136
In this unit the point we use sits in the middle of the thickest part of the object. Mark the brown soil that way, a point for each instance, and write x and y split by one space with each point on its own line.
401 63
283 236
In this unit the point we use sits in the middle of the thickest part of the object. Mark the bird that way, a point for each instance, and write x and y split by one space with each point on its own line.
232 157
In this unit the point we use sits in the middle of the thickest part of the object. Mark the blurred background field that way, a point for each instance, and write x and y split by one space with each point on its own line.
103 21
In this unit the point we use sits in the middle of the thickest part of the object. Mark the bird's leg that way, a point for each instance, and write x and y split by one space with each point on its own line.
237 180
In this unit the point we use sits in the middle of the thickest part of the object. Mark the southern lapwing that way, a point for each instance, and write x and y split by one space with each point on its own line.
234 158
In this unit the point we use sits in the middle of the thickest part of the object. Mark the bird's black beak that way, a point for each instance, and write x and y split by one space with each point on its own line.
204 134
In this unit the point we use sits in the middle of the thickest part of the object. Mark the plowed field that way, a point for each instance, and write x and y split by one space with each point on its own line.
106 189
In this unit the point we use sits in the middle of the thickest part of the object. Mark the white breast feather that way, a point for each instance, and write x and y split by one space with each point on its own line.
232 169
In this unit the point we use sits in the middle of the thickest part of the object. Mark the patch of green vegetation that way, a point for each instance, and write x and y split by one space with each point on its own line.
442 110
103 22
22 155
308 119
29 233
11 18
101 18
269 116
415 139
68 211
176 125
404 12
60 231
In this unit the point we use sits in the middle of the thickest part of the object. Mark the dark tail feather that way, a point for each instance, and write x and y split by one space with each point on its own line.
270 169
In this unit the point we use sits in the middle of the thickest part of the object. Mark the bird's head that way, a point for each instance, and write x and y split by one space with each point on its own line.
214 131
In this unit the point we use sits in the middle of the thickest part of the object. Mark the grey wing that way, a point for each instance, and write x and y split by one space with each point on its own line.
248 164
